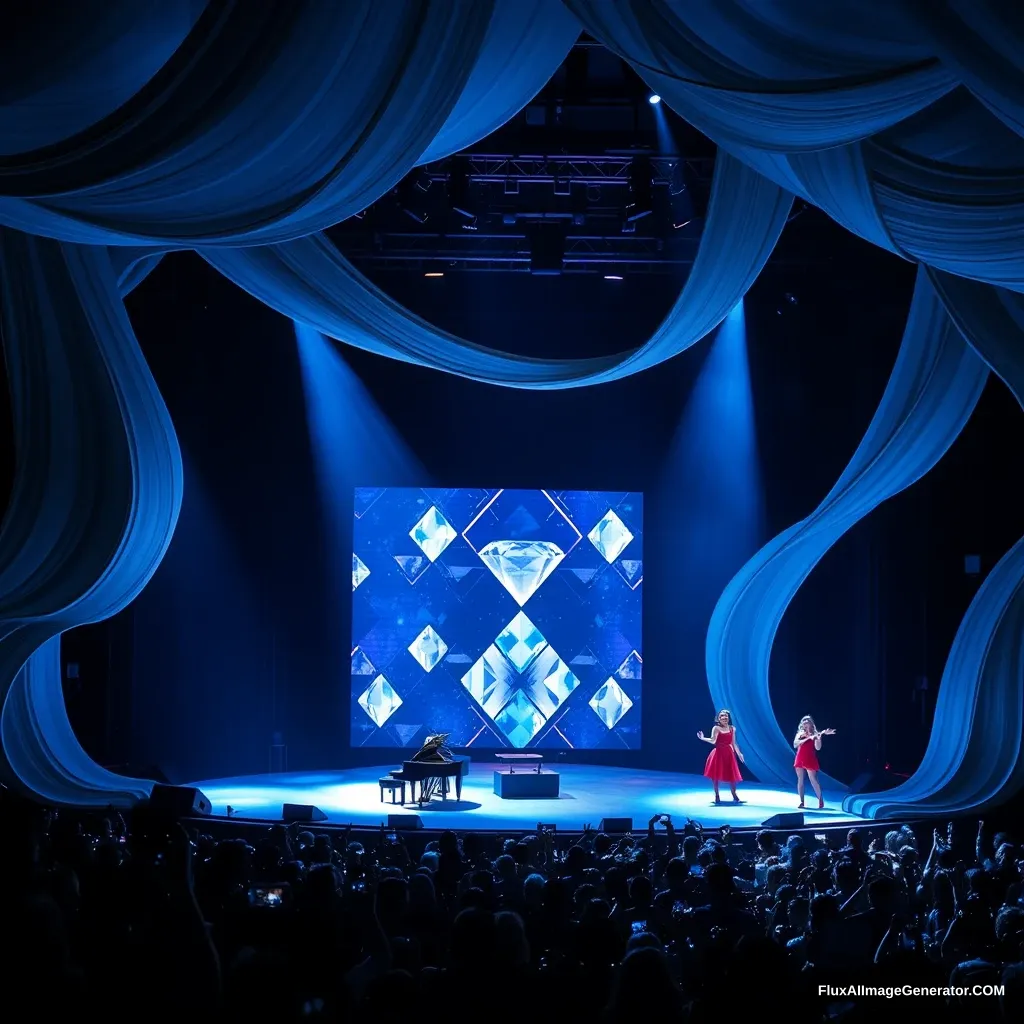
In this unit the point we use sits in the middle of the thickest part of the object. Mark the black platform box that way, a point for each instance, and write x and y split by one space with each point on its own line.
529 785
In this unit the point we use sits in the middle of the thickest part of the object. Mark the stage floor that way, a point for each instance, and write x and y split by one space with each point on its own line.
588 794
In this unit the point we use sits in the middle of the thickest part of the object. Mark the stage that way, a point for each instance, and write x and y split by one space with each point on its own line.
588 794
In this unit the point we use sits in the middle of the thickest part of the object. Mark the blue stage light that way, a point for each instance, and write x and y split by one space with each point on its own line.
654 99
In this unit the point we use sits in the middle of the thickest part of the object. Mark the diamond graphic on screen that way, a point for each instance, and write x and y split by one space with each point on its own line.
412 566
359 571
632 571
380 701
519 720
632 667
610 536
361 664
428 649
552 691
490 681
520 641
521 566
433 533
610 703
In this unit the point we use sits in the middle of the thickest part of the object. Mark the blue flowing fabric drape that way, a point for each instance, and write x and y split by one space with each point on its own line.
974 754
785 85
312 283
934 387
244 128
95 498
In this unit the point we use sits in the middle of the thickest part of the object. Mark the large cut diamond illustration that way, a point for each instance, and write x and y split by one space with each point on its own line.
521 566
428 649
610 703
433 533
380 701
610 536
519 720
552 687
490 681
359 571
520 641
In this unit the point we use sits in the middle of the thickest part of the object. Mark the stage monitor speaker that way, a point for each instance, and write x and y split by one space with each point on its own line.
180 801
791 819
302 812
404 822
615 826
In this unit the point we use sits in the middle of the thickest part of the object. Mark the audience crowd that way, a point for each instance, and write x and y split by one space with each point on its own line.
150 918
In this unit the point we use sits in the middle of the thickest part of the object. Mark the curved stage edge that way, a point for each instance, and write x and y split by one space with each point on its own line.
588 794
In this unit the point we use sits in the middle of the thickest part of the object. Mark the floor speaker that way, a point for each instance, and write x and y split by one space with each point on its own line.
404 822
792 819
613 826
180 801
302 812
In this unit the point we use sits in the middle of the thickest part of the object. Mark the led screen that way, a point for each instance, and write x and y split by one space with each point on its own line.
507 618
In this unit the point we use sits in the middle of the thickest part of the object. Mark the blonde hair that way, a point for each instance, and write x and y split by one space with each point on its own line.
806 718
728 714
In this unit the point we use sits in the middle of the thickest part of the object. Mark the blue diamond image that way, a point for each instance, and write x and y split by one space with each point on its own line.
359 571
632 571
428 649
632 667
610 536
520 641
490 681
610 703
361 664
521 566
412 566
433 533
519 720
551 683
380 701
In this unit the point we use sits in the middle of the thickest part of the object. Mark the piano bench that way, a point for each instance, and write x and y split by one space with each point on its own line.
389 782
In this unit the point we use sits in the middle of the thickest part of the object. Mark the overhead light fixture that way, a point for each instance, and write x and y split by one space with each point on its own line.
654 99
613 277
434 273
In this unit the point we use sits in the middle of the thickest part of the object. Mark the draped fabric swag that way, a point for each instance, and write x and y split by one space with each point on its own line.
245 128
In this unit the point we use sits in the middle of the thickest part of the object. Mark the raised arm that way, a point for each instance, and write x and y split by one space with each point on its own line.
801 739
819 734
709 739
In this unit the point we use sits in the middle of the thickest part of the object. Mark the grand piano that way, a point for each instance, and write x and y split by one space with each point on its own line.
434 767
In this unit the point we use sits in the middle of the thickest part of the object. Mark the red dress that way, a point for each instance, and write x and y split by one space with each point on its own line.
721 764
807 756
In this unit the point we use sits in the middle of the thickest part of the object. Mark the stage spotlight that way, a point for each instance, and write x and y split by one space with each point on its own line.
654 99
613 277
434 273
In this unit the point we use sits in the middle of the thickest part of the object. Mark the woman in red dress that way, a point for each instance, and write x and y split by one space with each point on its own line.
721 764
807 744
